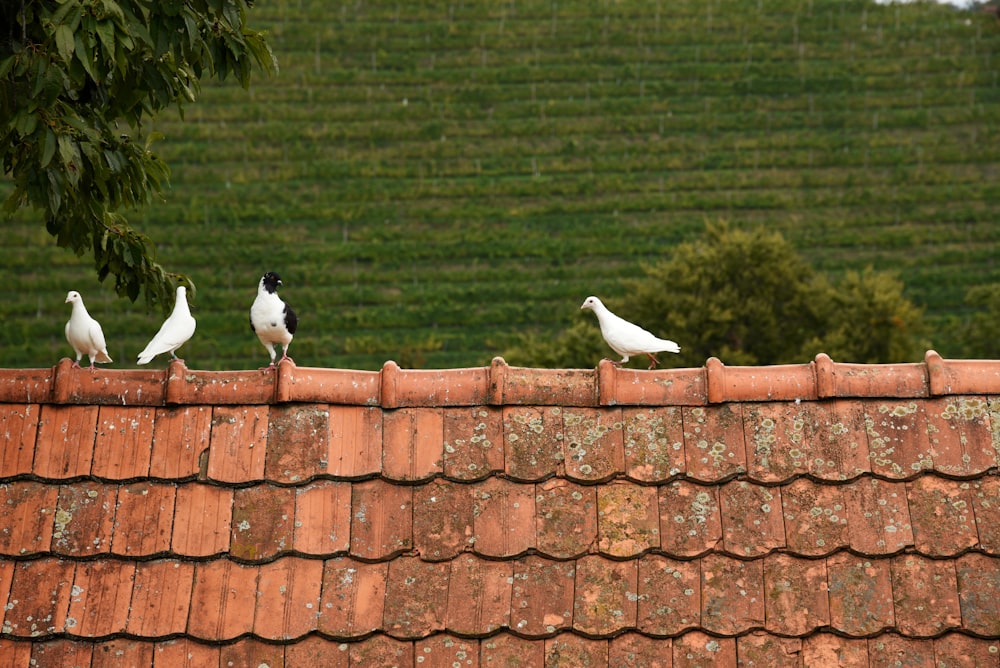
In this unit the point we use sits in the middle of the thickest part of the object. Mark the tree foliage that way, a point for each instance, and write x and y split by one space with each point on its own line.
747 297
77 80
976 335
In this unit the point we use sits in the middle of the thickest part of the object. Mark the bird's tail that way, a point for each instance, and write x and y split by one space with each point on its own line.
103 358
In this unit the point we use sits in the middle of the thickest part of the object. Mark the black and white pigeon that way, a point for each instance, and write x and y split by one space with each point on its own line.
175 331
272 320
85 334
625 338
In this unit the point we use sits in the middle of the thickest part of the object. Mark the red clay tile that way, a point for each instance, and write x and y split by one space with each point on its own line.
302 384
19 425
690 520
297 442
654 443
317 651
628 519
28 509
592 445
925 592
892 651
434 387
878 516
239 443
860 594
223 595
355 441
566 518
220 388
941 512
979 593
180 438
954 650
473 442
795 591
15 653
509 650
124 442
62 653
779 382
762 650
445 651
669 595
28 386
161 598
962 376
960 435
413 445
732 594
380 650
144 517
252 652
39 598
815 517
263 522
133 387
100 598
84 519
185 653
288 598
442 519
630 387
382 524
504 518
752 522
531 441
632 650
713 442
514 386
322 518
122 652
416 597
571 651
606 596
986 505
835 379
489 584
65 445
696 650
897 438
828 649
542 597
353 597
202 520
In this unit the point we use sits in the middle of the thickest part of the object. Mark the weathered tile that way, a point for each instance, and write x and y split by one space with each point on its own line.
860 594
815 517
223 595
606 594
489 584
690 519
29 510
202 520
263 522
960 436
288 598
503 518
161 598
695 649
542 597
654 443
63 652
84 518
986 506
100 598
19 424
353 597
416 597
925 593
355 441
762 650
322 518
382 520
628 519
570 651
592 445
39 598
941 514
412 443
669 595
380 650
185 653
898 443
252 652
442 519
893 651
830 649
181 434
510 650
123 652
530 437
473 442
124 442
979 593
566 518
239 444
317 651
445 651
541 387
795 594
144 518
65 445
752 522
297 442
433 387
878 516
633 650
714 446
732 594
956 650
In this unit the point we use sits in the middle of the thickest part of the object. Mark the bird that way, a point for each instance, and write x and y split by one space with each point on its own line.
272 320
85 334
174 332
625 338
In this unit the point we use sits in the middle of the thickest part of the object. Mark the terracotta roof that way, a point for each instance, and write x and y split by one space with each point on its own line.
817 514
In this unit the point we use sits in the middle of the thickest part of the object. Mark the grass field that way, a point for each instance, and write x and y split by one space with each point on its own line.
431 180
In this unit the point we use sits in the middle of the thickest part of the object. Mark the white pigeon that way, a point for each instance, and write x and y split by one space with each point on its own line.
625 338
84 333
271 319
175 331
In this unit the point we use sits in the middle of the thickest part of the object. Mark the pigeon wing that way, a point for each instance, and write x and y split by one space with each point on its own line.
96 335
172 335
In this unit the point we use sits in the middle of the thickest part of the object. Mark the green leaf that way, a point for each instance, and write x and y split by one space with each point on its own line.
48 147
65 42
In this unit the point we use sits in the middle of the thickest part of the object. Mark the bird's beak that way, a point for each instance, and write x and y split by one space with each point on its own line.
279 282
67 301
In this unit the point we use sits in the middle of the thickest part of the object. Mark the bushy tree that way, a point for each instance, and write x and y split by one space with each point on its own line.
978 335
77 80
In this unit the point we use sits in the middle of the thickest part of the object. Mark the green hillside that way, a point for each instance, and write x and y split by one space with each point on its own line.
432 178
